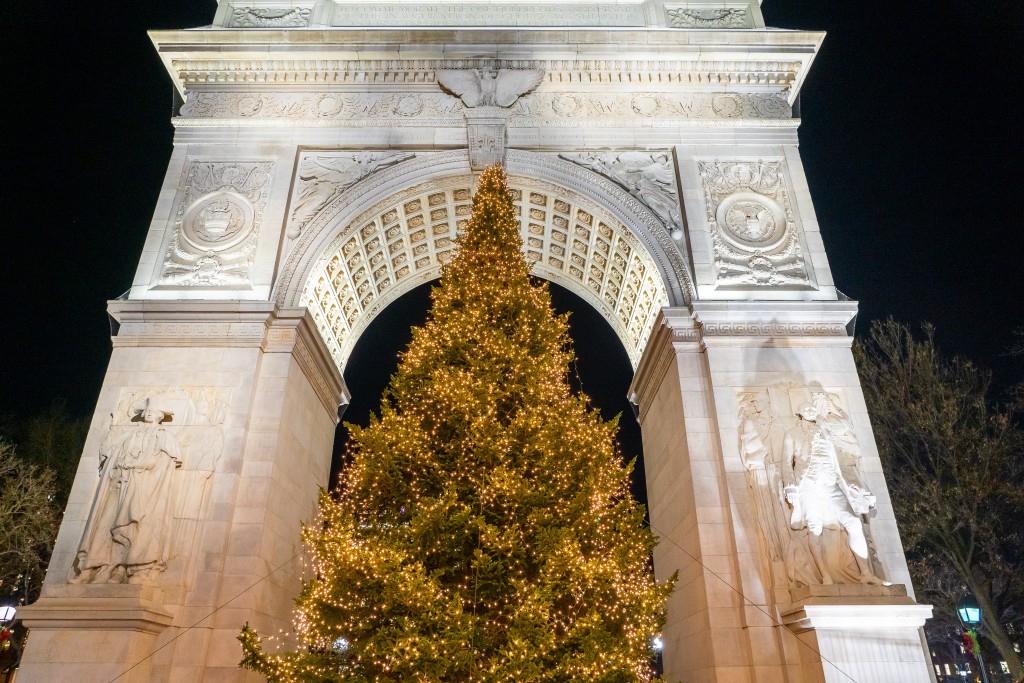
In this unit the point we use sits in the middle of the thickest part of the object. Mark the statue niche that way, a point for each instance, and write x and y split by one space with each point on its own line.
809 499
154 473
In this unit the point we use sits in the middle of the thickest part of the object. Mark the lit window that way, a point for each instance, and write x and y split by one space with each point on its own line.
1005 667
949 672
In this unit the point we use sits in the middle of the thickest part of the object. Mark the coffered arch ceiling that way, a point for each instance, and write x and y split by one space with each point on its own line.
402 241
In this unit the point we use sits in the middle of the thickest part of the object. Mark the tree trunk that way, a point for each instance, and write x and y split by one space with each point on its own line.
996 634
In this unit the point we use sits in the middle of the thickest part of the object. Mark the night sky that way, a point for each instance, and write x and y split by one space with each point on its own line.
911 141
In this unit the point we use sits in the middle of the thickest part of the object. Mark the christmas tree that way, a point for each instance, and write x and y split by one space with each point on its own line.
484 529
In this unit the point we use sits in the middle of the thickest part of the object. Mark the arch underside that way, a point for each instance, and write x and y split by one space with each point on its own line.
402 241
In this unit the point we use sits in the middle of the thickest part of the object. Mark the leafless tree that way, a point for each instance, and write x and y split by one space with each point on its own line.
954 460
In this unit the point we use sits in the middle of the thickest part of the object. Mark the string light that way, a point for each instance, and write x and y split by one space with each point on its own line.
484 529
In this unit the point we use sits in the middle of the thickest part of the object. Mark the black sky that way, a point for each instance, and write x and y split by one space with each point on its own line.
911 142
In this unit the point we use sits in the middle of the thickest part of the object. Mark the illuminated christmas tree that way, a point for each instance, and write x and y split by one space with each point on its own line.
484 529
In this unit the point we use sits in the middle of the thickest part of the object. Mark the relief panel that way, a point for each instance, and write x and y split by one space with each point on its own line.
216 224
754 236
323 176
710 17
812 507
648 176
154 468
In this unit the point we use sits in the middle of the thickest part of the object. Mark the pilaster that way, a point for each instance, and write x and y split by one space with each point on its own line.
255 397
726 617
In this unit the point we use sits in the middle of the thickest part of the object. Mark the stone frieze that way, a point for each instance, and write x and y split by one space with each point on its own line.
433 109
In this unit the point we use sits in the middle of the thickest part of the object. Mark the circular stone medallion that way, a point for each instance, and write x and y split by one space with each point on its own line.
328 106
248 105
218 221
645 105
566 105
752 221
409 105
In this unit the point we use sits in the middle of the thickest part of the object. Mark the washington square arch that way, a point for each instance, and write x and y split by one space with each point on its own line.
325 155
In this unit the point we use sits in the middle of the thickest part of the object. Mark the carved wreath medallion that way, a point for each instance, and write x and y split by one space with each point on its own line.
753 232
217 224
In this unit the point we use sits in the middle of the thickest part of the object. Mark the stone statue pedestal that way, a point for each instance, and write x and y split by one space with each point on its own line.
98 631
863 633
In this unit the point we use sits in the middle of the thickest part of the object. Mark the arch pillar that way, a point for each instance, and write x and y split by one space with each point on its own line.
254 380
735 614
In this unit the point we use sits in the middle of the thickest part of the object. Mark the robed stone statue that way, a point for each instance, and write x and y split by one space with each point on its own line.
128 536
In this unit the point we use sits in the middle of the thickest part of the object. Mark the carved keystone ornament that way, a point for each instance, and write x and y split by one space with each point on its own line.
488 95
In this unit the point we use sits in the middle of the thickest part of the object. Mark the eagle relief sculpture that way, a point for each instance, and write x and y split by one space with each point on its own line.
486 88
487 95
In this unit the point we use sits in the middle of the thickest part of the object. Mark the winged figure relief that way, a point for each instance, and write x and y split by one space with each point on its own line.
484 88
323 177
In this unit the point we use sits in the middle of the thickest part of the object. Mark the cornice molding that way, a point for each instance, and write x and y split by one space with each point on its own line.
774 323
636 72
761 60
108 607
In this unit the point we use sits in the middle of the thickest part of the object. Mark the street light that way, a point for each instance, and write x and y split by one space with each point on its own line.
969 614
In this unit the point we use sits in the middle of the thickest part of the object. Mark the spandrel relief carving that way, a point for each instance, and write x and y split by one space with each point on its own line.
809 498
323 176
154 469
753 232
217 224
648 176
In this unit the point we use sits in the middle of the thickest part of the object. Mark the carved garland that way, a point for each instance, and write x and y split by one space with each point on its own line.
440 109
726 17
270 17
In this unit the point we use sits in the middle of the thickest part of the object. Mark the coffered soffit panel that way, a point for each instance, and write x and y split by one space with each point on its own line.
403 240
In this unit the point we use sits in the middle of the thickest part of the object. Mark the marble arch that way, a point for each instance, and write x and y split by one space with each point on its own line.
393 230
654 149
